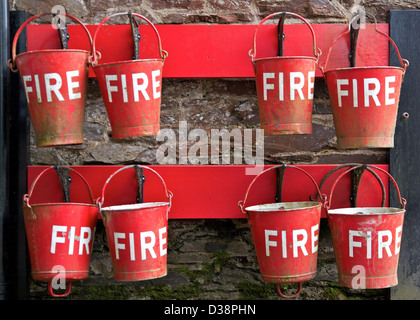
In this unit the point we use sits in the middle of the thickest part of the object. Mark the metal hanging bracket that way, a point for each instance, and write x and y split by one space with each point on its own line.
65 180
355 181
280 34
62 32
140 181
280 178
136 36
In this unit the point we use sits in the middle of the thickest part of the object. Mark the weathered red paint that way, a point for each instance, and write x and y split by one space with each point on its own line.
60 238
285 236
55 84
137 235
364 102
285 88
366 242
131 91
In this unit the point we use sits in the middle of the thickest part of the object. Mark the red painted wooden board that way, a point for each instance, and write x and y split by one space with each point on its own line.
217 51
205 191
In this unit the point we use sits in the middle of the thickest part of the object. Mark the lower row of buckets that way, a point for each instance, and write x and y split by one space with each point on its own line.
285 234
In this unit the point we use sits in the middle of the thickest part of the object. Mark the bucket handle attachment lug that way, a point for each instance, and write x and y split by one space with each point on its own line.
280 293
66 293
12 63
253 52
241 203
100 201
402 201
404 62
163 54
27 196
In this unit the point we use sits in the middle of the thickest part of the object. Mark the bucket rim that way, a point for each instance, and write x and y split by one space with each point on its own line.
285 57
54 51
270 207
135 206
127 62
358 211
364 68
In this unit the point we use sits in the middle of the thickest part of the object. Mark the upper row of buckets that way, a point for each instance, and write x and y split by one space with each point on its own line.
55 84
366 240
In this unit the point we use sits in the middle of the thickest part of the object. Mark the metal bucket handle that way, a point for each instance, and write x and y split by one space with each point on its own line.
163 54
100 201
12 64
241 203
27 196
253 51
403 202
403 62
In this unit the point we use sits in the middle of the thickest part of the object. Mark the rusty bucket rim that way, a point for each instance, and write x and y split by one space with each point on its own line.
271 207
135 206
343 211
127 62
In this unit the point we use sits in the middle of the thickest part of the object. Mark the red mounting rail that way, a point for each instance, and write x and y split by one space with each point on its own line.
218 51
206 191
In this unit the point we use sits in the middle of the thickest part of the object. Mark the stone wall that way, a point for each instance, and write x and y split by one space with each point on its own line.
208 259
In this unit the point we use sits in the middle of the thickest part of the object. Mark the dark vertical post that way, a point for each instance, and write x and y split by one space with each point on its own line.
4 80
17 164
405 156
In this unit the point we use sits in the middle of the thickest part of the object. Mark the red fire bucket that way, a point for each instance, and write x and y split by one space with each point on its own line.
131 90
285 86
60 238
137 235
55 84
364 101
366 242
285 236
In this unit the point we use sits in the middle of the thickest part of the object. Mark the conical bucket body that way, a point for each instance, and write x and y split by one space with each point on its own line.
131 91
55 84
285 88
364 103
366 245
60 238
285 236
137 239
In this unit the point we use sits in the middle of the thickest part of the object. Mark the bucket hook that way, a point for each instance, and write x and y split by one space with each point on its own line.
291 296
354 34
280 177
280 34
140 181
